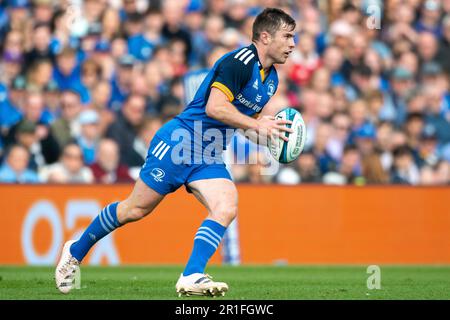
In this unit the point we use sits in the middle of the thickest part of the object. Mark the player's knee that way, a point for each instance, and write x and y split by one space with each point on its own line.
130 212
137 213
224 214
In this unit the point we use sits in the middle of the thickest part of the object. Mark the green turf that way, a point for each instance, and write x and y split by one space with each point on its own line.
246 282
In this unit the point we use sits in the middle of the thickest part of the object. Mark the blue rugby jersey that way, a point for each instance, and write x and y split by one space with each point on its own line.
239 75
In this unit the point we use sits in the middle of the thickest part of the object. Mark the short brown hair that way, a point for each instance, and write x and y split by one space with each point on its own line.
270 20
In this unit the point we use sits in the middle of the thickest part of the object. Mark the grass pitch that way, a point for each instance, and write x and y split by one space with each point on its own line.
246 282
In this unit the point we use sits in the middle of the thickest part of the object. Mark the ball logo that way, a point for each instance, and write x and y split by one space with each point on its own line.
157 174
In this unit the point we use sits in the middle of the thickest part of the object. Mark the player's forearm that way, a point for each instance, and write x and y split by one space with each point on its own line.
228 114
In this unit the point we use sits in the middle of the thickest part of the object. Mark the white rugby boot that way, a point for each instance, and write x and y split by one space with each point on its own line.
200 284
66 269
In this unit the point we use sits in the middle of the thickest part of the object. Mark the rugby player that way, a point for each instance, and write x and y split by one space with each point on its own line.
232 95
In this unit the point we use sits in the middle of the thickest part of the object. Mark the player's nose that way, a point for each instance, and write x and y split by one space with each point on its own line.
292 44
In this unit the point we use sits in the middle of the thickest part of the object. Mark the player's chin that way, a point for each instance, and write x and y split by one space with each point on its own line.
282 59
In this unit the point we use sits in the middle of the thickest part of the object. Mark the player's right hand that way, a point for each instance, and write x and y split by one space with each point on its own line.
271 127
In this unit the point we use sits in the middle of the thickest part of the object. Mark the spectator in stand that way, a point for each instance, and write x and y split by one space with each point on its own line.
102 60
365 139
15 167
89 137
14 43
427 153
107 168
141 46
413 128
427 47
172 11
67 72
210 38
36 120
324 160
26 135
121 82
435 117
39 75
111 27
444 48
66 128
372 169
10 66
350 166
404 170
430 15
305 60
91 74
101 93
332 60
43 11
124 130
70 168
308 168
340 133
41 49
359 114
133 25
15 97
402 83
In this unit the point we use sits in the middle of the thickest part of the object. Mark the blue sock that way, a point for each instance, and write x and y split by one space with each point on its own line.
105 223
206 241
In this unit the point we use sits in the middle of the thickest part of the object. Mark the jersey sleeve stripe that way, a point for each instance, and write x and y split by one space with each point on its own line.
249 58
224 89
244 55
240 52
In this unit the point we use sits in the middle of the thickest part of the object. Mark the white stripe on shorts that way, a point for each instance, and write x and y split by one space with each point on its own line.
164 152
160 149
156 148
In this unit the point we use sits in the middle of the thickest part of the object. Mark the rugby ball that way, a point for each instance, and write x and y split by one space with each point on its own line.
288 151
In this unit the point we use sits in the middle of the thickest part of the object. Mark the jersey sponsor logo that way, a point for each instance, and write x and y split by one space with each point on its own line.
258 98
157 174
255 107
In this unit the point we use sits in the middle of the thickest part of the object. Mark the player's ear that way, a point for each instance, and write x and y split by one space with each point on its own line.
265 37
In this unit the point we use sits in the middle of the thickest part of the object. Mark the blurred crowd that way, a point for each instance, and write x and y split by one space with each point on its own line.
84 86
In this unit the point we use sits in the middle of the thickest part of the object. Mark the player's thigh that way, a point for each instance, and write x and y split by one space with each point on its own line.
141 201
219 196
